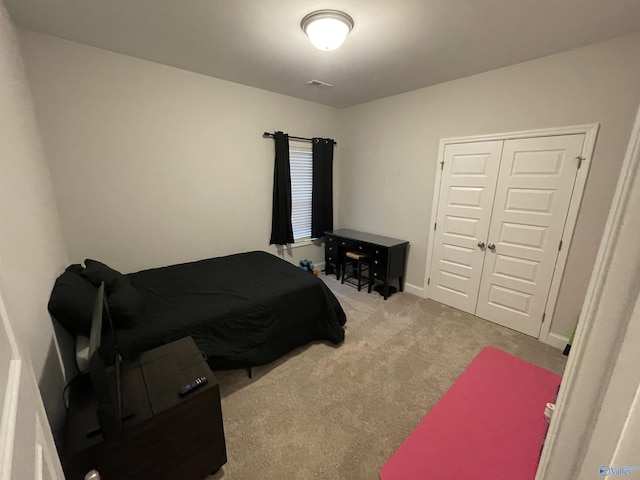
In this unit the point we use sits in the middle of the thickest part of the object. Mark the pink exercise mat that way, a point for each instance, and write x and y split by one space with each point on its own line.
488 426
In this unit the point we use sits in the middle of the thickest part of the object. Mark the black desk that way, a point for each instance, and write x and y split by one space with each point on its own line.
388 256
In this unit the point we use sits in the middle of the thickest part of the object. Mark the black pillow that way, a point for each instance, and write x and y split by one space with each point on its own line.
97 272
71 301
125 302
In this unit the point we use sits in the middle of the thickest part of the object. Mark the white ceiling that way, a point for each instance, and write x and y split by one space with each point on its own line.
395 46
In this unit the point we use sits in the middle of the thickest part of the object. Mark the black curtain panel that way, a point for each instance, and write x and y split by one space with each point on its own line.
322 193
281 229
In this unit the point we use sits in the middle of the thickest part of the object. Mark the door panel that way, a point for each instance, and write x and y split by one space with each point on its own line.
27 449
34 454
532 197
464 210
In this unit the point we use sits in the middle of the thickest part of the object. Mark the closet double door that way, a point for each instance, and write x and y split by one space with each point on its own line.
502 210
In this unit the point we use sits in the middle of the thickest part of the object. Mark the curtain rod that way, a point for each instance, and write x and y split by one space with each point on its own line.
271 135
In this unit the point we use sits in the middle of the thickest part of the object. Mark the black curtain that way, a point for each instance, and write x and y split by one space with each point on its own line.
281 229
322 193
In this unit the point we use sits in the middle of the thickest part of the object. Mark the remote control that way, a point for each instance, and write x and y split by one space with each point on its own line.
192 385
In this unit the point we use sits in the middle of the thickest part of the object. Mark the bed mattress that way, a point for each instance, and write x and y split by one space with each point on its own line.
242 310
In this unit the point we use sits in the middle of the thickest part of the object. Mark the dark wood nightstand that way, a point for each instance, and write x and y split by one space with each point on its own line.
168 437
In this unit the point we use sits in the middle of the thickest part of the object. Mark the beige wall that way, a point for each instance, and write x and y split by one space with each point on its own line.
32 251
153 165
596 421
390 148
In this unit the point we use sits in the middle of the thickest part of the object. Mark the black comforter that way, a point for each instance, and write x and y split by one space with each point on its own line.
241 310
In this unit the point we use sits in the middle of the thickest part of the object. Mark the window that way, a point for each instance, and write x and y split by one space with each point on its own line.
301 163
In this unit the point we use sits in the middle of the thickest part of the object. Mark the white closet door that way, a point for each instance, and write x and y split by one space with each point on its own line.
464 210
532 199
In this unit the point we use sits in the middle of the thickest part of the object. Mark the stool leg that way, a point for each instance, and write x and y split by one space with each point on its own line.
359 275
344 269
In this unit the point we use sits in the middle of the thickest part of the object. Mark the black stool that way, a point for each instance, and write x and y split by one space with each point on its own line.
357 271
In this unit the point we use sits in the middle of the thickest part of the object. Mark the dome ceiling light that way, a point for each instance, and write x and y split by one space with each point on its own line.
327 29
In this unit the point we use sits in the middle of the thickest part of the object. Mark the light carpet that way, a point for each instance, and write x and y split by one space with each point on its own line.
474 432
339 412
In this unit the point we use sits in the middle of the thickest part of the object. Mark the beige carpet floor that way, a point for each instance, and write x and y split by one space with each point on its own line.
339 412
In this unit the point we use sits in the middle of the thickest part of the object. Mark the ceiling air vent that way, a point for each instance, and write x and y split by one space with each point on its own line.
318 83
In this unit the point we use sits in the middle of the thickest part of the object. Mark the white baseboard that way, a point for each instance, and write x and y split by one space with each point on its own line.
553 339
557 341
415 290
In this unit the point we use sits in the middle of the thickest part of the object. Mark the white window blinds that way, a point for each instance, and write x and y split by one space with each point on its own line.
301 162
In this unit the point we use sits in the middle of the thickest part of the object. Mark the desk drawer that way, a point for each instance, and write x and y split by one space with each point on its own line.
346 244
330 249
379 262
331 260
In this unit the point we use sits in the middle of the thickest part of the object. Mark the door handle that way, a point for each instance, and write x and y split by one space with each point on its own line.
481 244
491 246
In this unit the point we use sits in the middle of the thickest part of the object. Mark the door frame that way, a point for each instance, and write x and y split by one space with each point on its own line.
20 385
590 132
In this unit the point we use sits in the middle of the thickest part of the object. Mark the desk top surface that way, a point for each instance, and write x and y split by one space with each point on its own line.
367 237
169 367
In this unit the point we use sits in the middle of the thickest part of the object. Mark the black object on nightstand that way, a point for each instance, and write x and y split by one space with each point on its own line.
170 435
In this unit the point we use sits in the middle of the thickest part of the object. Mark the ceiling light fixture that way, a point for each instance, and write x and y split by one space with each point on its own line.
327 29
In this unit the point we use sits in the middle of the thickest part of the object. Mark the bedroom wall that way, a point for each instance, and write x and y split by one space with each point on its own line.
387 181
153 165
147 159
32 251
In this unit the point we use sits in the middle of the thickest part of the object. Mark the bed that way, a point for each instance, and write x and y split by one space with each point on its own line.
242 310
